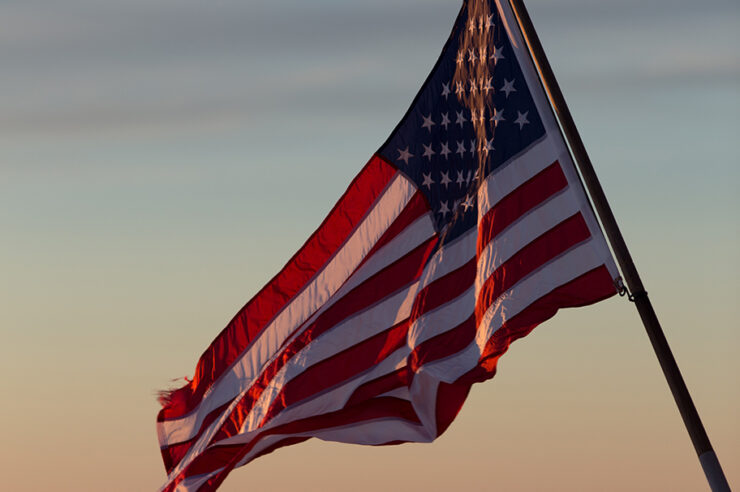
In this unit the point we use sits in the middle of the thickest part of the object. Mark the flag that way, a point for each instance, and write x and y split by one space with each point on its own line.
467 228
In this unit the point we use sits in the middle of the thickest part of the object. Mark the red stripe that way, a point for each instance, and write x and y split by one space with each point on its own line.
228 457
527 196
416 207
256 314
376 288
557 240
444 289
174 453
288 441
537 253
396 379
450 399
386 278
444 344
589 288
339 368
524 198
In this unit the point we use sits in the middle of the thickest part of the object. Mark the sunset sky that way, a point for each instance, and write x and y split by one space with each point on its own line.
160 160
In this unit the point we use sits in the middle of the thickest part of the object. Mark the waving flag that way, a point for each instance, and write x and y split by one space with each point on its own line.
465 230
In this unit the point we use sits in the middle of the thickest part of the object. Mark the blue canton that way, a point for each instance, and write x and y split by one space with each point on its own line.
435 144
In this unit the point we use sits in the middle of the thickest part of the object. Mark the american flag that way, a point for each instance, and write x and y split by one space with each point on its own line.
465 230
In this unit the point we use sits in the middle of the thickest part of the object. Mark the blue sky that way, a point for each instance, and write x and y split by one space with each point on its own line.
160 160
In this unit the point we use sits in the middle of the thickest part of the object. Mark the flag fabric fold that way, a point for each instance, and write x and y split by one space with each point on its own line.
466 229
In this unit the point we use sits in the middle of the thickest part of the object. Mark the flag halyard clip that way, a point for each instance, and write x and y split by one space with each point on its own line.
624 291
621 288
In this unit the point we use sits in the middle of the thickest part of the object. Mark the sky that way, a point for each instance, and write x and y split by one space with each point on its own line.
160 160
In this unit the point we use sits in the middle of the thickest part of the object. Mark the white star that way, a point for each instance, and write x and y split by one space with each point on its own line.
445 120
489 22
472 147
496 56
446 90
404 155
460 119
508 87
445 150
483 54
444 209
461 148
471 25
488 146
428 152
521 119
488 86
459 89
481 23
460 179
445 179
468 203
497 117
473 116
473 86
471 55
460 58
428 123
482 115
428 181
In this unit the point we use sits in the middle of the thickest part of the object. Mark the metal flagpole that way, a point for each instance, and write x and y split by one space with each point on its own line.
707 457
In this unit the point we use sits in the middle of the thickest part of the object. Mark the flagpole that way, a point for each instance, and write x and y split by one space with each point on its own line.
707 456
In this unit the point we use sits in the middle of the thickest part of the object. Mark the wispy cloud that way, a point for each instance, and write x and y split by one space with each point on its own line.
87 66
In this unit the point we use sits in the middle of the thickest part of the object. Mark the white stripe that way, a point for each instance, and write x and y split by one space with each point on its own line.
401 393
450 257
316 293
337 398
522 232
514 173
330 401
445 261
414 235
191 484
369 432
423 392
442 319
344 335
512 240
544 108
241 376
554 274
568 266
527 165
557 272
417 233
374 432
447 370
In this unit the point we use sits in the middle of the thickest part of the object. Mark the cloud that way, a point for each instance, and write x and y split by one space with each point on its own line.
88 66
